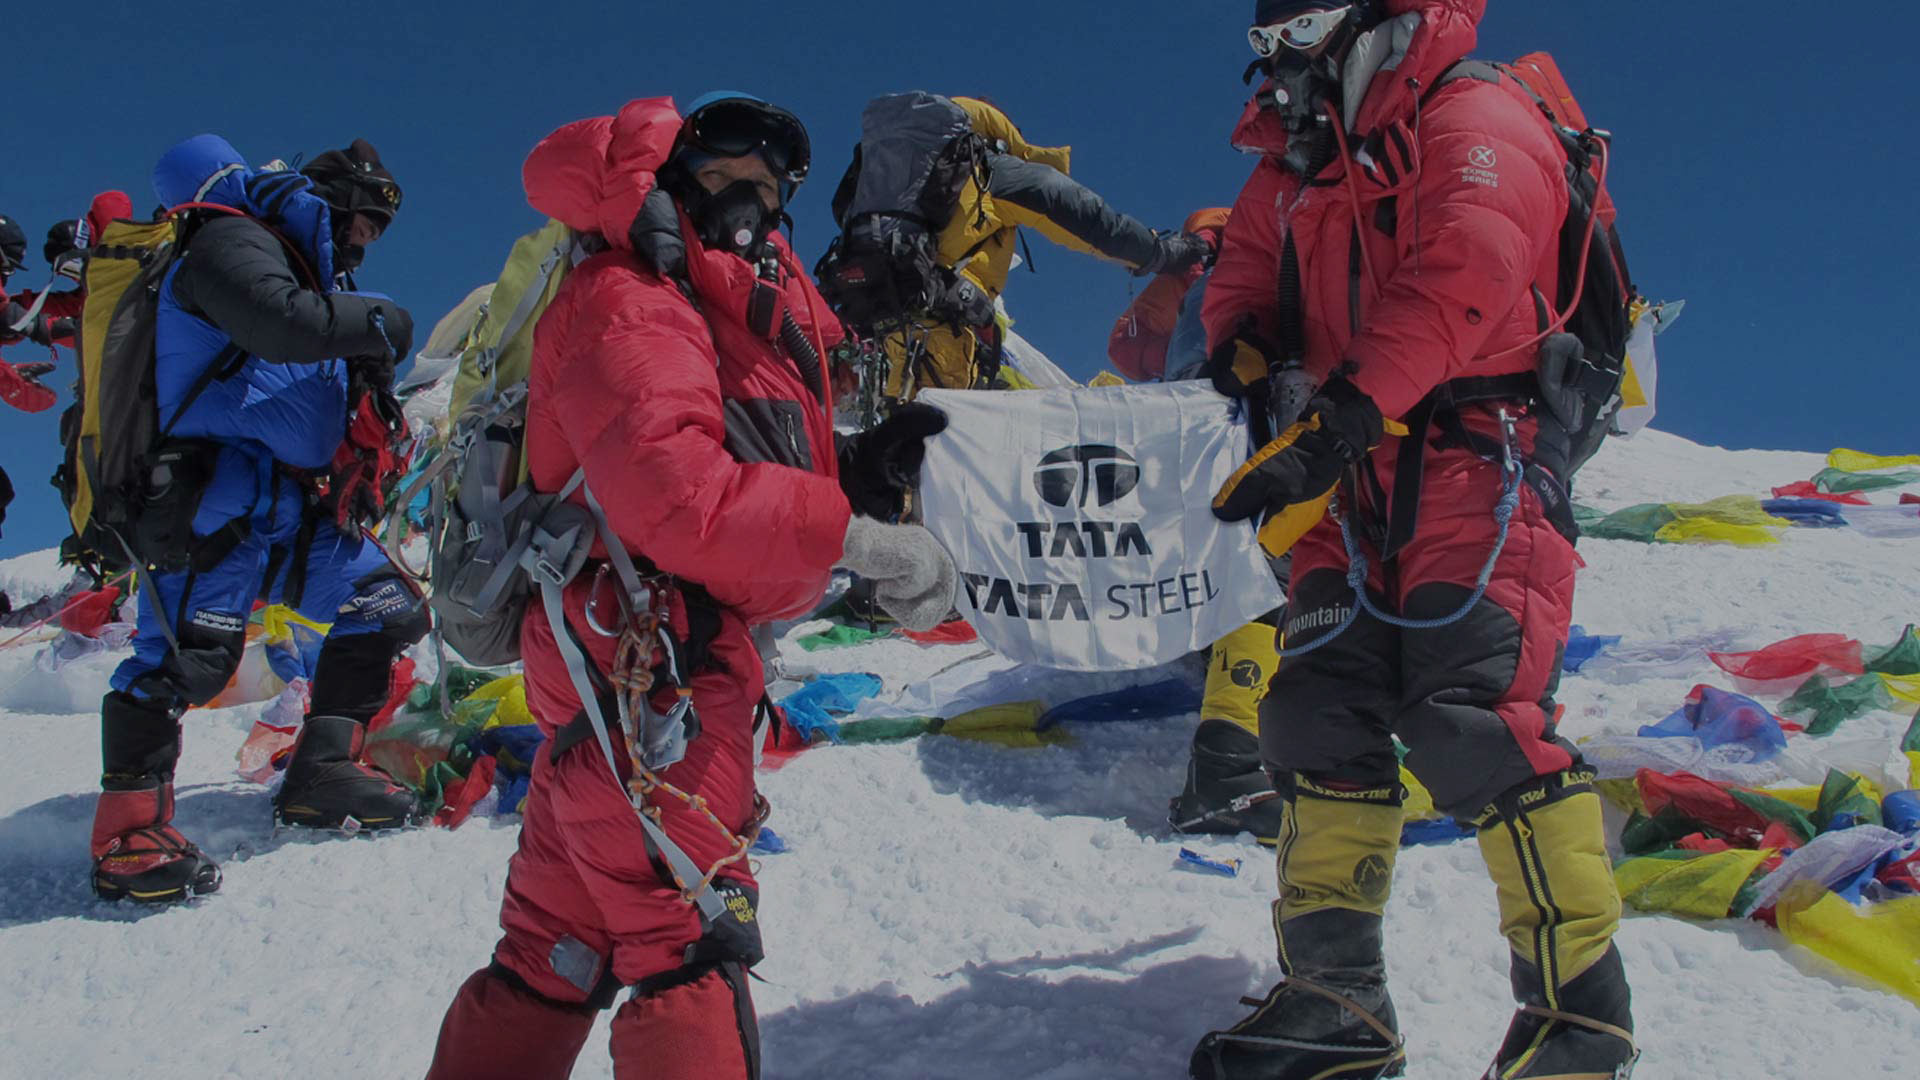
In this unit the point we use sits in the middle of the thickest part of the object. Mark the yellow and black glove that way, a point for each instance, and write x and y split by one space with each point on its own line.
1239 366
1301 466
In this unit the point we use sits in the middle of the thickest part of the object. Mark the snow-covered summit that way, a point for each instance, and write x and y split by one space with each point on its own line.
947 908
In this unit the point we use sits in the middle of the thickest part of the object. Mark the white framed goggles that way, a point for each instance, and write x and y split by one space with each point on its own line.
1304 31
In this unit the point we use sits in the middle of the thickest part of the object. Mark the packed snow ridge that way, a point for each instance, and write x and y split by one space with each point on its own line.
946 908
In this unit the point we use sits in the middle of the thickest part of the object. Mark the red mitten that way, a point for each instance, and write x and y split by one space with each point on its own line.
22 390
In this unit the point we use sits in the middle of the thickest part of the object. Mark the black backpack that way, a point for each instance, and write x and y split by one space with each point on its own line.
1583 364
916 153
131 489
118 478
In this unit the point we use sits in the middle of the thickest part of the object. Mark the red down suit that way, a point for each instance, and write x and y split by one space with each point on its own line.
714 459
1425 253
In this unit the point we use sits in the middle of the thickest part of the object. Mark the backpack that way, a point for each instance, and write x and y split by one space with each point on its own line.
130 490
916 153
1584 371
495 543
487 529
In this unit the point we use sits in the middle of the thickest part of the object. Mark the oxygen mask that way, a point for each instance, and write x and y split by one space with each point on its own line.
733 219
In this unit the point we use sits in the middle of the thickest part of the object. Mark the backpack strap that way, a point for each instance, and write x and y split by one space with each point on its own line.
580 670
1484 71
1442 406
225 365
522 311
545 562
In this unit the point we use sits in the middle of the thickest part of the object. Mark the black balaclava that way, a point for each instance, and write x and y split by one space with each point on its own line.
353 181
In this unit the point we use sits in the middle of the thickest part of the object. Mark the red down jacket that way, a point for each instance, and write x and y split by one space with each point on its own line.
1448 293
713 459
647 391
1443 288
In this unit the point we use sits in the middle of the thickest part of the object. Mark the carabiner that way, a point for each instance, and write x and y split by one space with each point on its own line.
1510 443
593 605
664 737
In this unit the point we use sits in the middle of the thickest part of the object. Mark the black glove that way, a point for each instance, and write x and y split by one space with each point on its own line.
879 467
396 324
1242 362
44 332
1174 252
369 373
958 300
11 312
34 369
1341 426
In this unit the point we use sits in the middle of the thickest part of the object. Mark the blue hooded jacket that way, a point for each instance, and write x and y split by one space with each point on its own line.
294 413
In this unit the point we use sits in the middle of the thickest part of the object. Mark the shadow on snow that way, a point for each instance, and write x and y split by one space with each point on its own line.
1124 771
44 857
1037 1018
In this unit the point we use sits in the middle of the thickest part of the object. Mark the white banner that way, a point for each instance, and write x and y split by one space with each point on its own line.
1081 521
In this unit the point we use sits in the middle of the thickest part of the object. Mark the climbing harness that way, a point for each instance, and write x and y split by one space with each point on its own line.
1357 565
653 740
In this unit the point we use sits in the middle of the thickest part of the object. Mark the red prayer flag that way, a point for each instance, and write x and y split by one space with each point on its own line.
1805 489
1794 658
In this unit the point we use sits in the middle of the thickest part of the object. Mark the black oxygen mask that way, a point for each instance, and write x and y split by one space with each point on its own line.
733 219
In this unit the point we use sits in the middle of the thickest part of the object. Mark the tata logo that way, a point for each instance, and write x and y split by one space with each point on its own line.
1073 474
1483 157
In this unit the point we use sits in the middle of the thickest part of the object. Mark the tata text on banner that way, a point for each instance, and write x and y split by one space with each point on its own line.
1082 525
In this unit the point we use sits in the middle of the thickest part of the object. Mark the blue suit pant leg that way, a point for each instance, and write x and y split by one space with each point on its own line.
375 610
208 612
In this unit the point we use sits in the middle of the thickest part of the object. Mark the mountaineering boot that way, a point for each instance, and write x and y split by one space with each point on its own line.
329 787
1588 1037
1227 789
1329 1018
1559 908
138 854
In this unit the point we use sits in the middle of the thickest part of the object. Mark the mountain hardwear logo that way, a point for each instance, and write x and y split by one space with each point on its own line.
1483 156
1070 475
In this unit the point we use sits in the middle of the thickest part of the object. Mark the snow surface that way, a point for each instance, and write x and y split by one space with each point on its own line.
947 908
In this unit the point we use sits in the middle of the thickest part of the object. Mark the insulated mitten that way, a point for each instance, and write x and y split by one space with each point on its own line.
21 388
1174 252
913 576
63 238
396 325
1305 462
879 467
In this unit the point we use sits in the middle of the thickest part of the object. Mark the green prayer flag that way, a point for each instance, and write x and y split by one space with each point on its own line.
1830 705
1839 481
1900 658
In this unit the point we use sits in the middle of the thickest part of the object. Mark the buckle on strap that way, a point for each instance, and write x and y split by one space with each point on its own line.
549 554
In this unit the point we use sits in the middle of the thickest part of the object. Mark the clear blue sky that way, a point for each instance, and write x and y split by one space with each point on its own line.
1763 171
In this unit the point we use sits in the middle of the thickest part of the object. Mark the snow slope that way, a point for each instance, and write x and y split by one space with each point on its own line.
948 908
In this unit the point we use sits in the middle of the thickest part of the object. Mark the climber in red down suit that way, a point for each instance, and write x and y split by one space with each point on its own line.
680 368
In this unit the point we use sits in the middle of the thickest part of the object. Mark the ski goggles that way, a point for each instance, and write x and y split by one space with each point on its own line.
736 127
1304 31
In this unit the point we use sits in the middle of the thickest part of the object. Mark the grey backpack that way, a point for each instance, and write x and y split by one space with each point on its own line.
497 539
